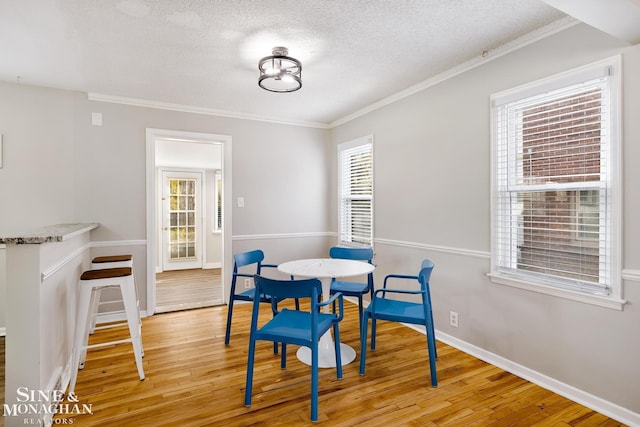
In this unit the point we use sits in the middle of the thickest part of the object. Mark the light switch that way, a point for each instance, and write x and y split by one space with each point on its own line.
241 202
96 119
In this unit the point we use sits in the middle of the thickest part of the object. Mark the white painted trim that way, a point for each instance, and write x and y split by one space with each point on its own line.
111 243
596 403
283 236
3 332
527 39
627 274
601 301
631 275
212 265
198 110
44 275
152 135
444 249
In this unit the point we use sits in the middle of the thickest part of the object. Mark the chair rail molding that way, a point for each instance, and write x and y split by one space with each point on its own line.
284 235
444 249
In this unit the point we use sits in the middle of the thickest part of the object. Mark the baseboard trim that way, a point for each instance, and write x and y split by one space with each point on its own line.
596 403
589 400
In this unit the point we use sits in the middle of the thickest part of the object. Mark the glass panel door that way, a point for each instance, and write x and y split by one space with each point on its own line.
181 224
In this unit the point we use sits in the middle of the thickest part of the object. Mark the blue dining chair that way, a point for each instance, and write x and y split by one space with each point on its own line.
353 289
241 260
303 328
417 313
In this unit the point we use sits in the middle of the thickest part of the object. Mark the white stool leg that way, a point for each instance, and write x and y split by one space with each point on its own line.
91 322
82 323
95 304
133 320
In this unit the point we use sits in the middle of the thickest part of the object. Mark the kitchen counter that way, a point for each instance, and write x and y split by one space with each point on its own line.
42 271
52 233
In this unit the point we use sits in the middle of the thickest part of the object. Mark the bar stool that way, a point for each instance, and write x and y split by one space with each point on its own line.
100 263
93 281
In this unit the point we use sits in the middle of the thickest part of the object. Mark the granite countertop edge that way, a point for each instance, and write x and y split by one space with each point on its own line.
52 233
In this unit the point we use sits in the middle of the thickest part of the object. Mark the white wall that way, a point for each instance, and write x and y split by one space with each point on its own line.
432 200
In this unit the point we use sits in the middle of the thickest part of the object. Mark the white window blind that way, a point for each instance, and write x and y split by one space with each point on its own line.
356 192
553 184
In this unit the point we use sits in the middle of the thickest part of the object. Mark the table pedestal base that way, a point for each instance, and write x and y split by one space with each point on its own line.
327 353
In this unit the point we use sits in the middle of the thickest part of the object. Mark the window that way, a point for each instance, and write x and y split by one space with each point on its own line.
355 161
555 188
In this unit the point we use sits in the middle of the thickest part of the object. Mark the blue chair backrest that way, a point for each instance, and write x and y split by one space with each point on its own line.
425 273
423 278
359 254
278 289
247 258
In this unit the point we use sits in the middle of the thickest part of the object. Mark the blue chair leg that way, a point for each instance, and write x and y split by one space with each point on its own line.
431 346
336 342
373 333
283 356
275 344
227 334
360 308
433 330
249 384
363 344
314 382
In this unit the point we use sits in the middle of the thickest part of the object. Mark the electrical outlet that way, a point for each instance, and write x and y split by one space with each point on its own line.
453 319
247 283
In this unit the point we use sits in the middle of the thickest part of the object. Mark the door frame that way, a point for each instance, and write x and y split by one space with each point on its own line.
152 135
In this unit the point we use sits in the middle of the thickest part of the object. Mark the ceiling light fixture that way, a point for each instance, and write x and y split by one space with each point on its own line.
279 72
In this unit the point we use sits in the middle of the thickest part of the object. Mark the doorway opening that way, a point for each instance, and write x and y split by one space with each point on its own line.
188 228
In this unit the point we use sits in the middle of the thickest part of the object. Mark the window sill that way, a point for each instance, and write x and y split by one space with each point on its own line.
602 301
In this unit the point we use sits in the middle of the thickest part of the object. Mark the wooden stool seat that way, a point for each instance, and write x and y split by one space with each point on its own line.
106 273
112 258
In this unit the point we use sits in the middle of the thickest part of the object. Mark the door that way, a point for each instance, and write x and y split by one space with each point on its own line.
181 217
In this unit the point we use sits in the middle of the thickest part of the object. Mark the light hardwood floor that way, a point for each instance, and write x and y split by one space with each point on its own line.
193 379
187 289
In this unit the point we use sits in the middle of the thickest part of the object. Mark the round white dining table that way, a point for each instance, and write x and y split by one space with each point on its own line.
326 269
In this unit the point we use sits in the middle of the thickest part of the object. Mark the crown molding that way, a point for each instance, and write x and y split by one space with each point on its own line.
487 56
137 102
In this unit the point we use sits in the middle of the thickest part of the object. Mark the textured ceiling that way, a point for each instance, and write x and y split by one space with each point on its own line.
204 53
